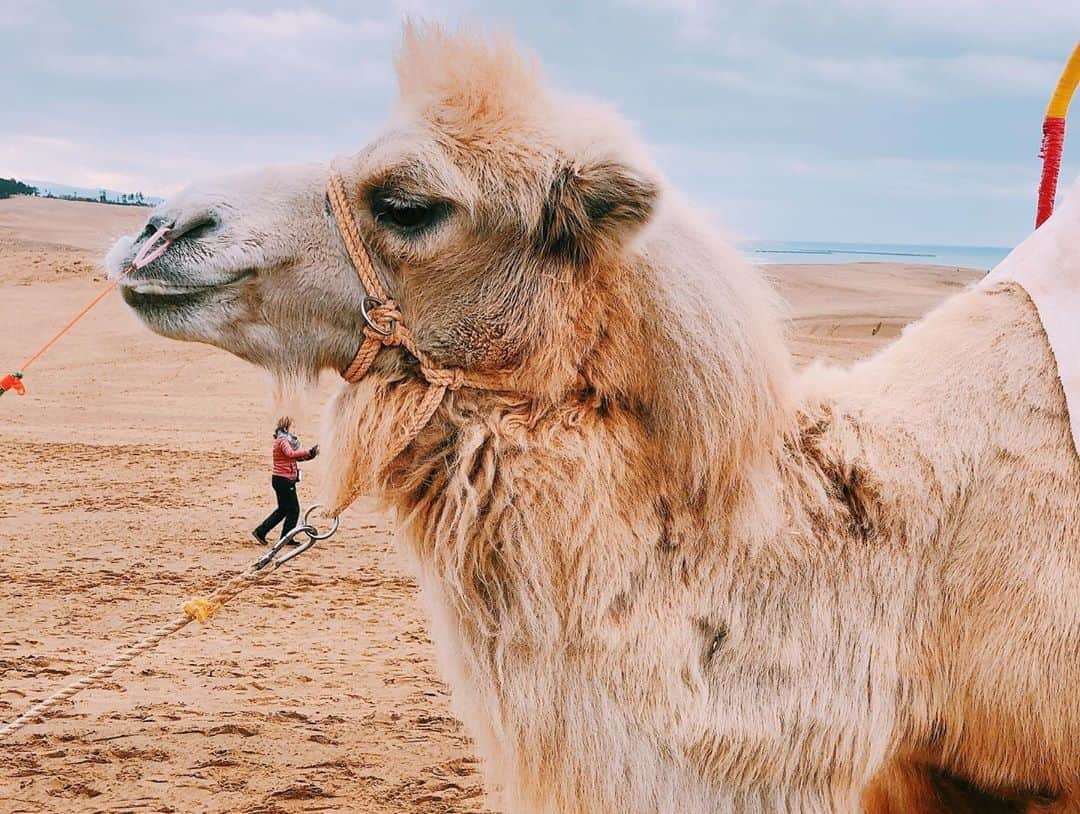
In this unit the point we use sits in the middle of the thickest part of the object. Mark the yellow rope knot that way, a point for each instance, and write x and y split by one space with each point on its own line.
200 608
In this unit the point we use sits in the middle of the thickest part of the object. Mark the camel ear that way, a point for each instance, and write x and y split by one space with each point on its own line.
593 210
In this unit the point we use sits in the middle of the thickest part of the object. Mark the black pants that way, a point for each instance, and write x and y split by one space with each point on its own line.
288 507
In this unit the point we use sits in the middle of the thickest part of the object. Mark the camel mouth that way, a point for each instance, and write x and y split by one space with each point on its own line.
151 287
150 303
157 296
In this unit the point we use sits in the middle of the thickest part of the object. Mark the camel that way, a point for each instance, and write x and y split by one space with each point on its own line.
665 572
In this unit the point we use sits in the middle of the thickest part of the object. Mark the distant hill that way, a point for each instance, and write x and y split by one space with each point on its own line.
51 189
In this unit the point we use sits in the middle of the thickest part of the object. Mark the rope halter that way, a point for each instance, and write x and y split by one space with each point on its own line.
384 326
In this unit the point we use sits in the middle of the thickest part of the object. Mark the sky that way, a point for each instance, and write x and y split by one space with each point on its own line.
911 121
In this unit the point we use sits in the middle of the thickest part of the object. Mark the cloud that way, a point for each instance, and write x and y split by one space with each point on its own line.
90 162
127 161
913 48
995 74
304 25
888 174
935 177
1006 72
46 142
797 108
16 14
305 44
990 74
694 19
1012 24
883 198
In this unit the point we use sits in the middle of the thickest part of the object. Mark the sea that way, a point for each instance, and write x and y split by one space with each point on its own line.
780 251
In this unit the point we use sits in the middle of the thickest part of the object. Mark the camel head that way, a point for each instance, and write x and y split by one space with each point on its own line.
487 204
518 229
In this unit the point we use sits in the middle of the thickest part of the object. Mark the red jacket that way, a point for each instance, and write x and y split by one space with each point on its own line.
285 458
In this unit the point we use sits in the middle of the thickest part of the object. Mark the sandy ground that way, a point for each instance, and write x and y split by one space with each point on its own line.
132 473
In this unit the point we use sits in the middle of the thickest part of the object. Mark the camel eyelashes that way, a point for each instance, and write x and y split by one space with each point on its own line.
408 217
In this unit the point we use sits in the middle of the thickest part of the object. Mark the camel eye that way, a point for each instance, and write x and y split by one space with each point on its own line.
408 217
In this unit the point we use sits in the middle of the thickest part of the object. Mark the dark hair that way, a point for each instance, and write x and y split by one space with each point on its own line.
283 425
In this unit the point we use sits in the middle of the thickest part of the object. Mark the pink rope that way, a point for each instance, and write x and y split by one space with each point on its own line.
151 250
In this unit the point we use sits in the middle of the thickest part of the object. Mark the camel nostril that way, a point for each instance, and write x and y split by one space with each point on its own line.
152 226
195 228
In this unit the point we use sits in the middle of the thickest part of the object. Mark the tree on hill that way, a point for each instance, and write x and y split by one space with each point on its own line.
9 187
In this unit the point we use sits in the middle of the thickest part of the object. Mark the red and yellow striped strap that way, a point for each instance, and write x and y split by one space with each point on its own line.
1054 136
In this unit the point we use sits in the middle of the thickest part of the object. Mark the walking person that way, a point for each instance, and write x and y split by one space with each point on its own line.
285 475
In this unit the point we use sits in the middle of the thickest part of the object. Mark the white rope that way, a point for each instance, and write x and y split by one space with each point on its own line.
201 609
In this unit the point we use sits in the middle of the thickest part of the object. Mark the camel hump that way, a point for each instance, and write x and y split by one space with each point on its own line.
1047 265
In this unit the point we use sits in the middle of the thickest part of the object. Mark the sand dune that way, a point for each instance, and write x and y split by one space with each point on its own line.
133 471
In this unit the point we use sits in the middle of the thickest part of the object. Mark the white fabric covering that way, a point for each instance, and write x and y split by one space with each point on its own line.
1047 265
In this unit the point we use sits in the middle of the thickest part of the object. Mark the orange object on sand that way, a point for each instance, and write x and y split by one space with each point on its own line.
13 381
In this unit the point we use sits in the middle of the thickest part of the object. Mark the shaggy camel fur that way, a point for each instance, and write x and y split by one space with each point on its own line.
666 574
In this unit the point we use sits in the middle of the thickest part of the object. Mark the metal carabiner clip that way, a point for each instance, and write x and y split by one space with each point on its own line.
304 527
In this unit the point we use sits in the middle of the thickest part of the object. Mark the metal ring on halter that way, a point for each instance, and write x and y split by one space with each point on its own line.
308 528
312 533
373 303
303 528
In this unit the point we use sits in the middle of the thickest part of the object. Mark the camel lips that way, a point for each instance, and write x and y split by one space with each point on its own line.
162 289
165 288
